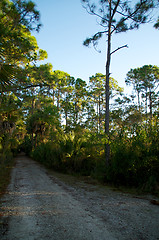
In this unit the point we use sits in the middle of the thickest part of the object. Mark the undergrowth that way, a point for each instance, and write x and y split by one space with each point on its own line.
6 165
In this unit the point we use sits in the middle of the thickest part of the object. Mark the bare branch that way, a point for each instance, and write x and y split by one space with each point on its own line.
92 12
119 49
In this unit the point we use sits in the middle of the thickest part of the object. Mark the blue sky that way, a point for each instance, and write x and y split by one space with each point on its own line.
66 24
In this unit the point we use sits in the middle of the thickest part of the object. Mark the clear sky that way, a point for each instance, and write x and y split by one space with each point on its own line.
66 24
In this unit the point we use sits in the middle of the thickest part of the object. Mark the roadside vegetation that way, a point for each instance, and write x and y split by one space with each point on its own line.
6 164
60 121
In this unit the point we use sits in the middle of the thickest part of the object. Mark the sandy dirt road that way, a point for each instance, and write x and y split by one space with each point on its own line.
40 206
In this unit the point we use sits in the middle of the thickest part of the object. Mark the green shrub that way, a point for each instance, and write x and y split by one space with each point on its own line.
26 146
6 164
133 158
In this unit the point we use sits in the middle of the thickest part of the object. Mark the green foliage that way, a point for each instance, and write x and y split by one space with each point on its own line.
134 154
18 47
70 154
134 158
6 164
26 146
157 24
48 154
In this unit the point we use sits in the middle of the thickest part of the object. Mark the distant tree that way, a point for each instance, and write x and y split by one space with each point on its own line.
133 78
43 120
96 91
150 79
145 82
115 17
79 102
67 102
60 78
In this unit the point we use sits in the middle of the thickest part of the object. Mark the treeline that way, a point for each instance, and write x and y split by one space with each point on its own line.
66 130
59 120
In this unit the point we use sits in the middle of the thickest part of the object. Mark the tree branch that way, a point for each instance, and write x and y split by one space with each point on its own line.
115 9
119 49
130 16
92 12
12 89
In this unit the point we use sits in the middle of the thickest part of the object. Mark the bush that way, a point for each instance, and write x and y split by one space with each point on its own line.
69 154
26 146
133 160
6 164
48 154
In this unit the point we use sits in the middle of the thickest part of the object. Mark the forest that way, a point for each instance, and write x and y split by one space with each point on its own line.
60 121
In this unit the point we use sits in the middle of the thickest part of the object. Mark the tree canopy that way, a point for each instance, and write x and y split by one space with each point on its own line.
18 48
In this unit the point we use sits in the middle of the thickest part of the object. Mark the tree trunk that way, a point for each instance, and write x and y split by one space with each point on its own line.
32 112
66 117
99 114
53 97
138 97
150 99
146 105
107 147
76 113
66 121
58 100
32 106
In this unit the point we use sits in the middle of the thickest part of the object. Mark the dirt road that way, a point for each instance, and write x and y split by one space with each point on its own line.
40 206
